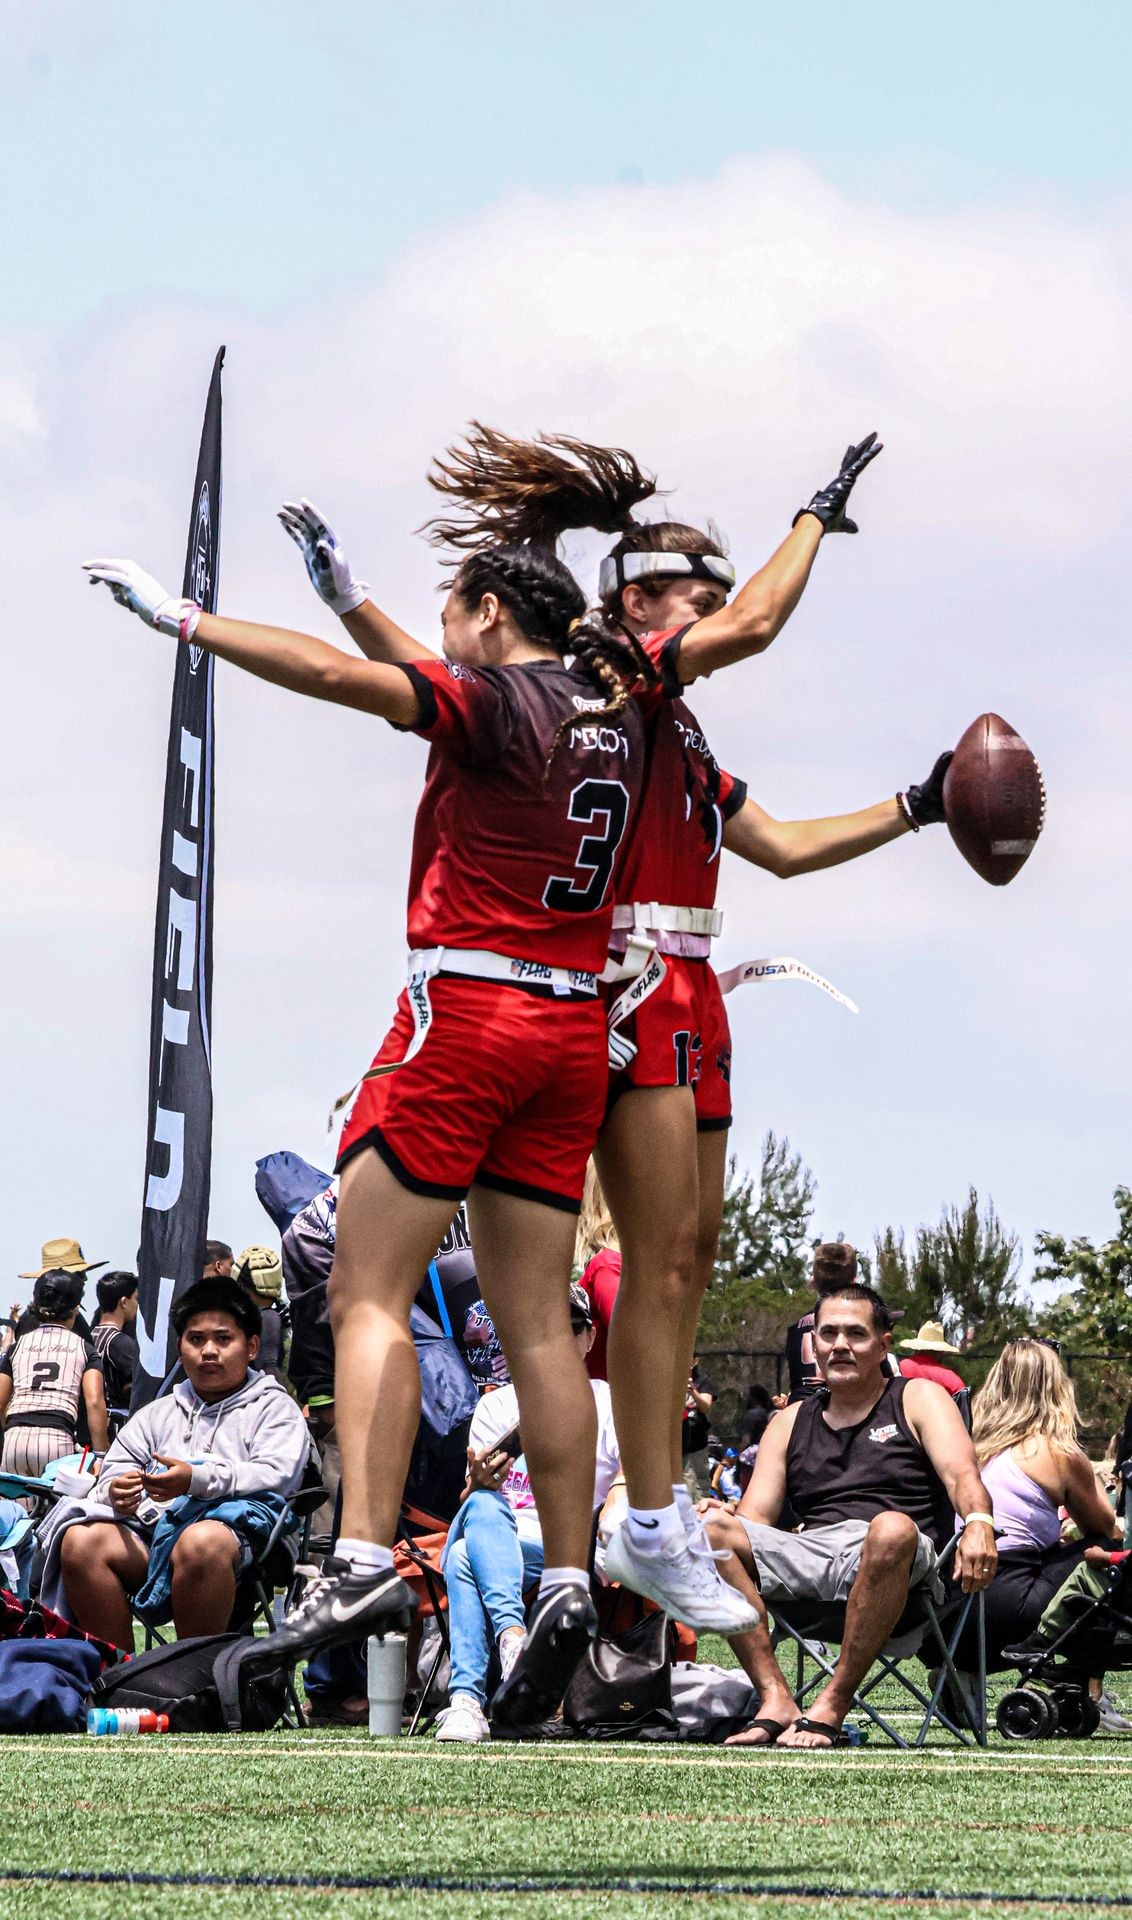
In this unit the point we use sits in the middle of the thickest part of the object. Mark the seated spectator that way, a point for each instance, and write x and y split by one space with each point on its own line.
925 1358
229 1438
46 1377
260 1272
875 1468
61 1256
218 1258
834 1265
597 1257
494 1551
1026 1434
113 1335
725 1478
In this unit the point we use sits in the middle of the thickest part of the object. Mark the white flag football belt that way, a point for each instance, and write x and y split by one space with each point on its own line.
782 969
474 964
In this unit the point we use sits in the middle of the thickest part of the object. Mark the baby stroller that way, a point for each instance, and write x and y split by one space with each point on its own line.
1053 1698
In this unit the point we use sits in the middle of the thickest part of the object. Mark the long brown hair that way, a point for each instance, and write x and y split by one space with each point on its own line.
521 496
531 492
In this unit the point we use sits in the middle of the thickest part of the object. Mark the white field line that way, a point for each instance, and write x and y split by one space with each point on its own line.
933 1760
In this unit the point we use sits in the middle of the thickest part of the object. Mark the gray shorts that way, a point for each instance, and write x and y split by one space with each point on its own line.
821 1563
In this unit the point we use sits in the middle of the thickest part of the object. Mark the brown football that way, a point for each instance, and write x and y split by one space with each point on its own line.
994 799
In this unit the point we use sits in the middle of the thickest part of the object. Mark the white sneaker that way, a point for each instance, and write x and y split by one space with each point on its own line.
685 1581
464 1720
1111 1716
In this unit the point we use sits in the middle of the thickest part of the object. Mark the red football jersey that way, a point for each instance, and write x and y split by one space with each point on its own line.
672 855
506 855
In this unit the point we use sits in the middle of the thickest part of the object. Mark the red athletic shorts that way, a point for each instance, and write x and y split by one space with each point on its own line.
508 1092
683 1040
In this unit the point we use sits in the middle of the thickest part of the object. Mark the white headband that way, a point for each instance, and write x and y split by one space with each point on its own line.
619 568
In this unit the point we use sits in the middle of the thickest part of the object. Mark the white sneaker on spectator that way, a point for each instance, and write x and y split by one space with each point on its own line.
510 1647
685 1581
1111 1716
464 1720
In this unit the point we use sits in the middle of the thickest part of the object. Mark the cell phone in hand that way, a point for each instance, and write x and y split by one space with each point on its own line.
510 1444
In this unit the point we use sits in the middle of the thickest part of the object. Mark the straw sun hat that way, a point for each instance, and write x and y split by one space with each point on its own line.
929 1340
62 1256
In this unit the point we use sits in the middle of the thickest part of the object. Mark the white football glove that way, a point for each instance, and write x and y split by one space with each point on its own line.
326 561
143 595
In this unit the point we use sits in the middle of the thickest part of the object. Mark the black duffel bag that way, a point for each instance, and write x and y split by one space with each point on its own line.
623 1688
215 1683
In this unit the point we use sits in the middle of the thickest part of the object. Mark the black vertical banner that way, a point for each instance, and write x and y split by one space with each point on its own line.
179 1141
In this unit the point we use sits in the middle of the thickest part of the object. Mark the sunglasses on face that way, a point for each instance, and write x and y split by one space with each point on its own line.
578 1325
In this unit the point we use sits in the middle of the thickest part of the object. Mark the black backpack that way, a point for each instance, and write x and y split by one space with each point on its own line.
216 1683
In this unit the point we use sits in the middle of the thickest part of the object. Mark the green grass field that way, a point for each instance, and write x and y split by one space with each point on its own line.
795 1832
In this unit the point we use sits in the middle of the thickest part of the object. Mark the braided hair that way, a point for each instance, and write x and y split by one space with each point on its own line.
547 605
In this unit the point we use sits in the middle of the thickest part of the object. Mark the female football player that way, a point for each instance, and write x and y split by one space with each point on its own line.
665 587
533 777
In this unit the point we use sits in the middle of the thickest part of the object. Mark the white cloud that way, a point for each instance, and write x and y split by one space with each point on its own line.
735 333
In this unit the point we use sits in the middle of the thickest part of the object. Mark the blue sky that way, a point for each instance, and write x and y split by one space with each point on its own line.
732 242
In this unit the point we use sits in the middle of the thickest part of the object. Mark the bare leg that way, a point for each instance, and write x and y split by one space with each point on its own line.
386 1238
753 1649
877 1599
523 1254
204 1578
711 1158
646 1157
102 1565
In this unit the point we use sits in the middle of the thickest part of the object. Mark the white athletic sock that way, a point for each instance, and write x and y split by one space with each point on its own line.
686 1506
364 1556
656 1529
563 1577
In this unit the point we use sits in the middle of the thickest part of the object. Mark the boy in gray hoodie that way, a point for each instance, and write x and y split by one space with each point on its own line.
228 1436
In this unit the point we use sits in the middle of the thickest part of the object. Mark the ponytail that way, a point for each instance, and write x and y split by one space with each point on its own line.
530 492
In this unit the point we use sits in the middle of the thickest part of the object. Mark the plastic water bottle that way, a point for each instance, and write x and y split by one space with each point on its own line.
104 1720
385 1665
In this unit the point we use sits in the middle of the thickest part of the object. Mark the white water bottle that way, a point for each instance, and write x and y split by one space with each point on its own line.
385 1664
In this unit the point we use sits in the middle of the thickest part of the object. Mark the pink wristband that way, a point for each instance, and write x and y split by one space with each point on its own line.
190 614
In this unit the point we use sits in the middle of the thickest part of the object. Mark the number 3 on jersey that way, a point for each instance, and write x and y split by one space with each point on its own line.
584 890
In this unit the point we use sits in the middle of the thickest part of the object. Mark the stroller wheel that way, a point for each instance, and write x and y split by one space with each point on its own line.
1078 1715
1026 1713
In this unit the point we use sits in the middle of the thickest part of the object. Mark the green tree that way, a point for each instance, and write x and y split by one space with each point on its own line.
963 1272
1092 1317
761 1269
1095 1309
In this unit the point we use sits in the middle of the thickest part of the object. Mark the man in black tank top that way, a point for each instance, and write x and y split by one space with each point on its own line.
876 1470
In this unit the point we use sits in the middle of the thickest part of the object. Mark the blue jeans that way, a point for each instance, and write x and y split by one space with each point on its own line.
486 1567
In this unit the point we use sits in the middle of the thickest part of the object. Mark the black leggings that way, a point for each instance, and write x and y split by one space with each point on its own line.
1025 1583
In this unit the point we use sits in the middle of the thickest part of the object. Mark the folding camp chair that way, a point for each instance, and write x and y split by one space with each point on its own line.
274 1568
809 1624
417 1549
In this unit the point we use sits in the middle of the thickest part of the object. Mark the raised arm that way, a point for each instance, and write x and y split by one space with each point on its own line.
297 661
762 607
374 633
789 847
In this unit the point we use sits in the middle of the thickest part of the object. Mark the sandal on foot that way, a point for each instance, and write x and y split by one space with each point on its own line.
768 1726
835 1736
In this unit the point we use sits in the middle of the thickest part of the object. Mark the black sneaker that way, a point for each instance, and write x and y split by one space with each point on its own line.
563 1627
341 1605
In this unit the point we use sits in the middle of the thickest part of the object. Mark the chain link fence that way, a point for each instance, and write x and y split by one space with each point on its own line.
1103 1384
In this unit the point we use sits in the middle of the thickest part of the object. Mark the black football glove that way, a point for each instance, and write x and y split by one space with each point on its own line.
829 505
924 805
